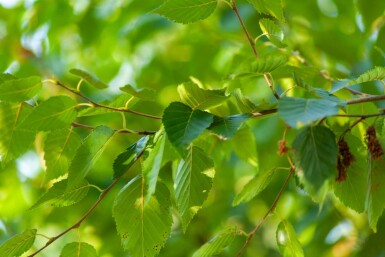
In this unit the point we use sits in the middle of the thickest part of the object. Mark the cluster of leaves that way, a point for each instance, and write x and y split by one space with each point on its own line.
335 142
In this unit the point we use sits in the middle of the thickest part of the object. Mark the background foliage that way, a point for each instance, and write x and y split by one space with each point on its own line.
204 80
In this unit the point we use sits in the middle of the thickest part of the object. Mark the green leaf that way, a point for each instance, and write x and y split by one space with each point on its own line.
375 203
316 152
182 124
245 146
142 93
13 140
125 160
270 7
300 111
227 126
216 244
59 149
244 104
55 113
193 182
153 163
255 186
143 226
18 244
19 90
86 156
6 76
78 249
273 31
269 63
187 11
287 241
199 98
91 79
377 73
58 196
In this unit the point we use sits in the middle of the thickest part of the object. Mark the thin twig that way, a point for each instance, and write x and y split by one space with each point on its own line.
121 131
254 231
366 99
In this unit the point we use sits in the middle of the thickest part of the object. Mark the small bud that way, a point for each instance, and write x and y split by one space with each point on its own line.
282 149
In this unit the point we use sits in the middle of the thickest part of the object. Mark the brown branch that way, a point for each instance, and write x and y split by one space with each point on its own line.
366 99
121 131
254 231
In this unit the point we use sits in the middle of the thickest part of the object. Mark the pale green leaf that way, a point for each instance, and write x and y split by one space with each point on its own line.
86 156
13 140
182 124
59 149
199 98
91 79
316 151
273 31
271 7
78 249
19 90
245 146
187 11
141 93
228 126
55 113
216 244
125 160
300 111
255 186
287 241
269 63
193 182
18 244
144 226
58 196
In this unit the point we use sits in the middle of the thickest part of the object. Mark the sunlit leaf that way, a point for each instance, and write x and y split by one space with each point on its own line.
217 243
86 156
55 113
287 241
316 151
271 7
143 226
199 98
269 63
78 249
91 79
18 244
273 32
58 196
227 126
18 90
255 186
192 183
187 11
142 93
244 104
245 146
182 124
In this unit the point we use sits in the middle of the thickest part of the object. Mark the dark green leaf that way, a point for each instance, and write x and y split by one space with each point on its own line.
182 124
144 226
193 182
316 151
78 249
91 79
287 241
19 90
55 113
18 244
269 63
227 126
187 11
6 76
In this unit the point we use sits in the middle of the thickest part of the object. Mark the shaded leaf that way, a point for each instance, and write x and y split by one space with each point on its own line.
244 104
58 196
300 111
271 7
199 98
217 243
193 182
269 63
142 93
59 149
6 76
287 241
86 156
91 79
255 186
316 151
182 124
18 244
19 90
273 32
78 249
143 226
245 146
55 113
227 126
187 11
